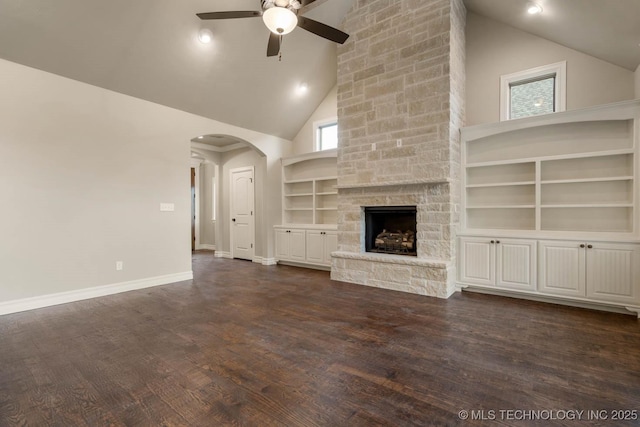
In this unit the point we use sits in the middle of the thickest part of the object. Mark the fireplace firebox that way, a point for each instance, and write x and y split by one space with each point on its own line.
390 229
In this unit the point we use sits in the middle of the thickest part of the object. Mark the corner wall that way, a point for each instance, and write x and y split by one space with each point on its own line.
637 82
83 171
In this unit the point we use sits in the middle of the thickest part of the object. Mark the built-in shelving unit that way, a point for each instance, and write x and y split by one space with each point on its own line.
569 177
307 235
310 194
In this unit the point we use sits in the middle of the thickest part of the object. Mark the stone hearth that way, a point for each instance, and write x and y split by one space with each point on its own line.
400 108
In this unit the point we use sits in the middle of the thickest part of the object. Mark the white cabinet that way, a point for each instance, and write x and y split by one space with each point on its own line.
500 263
301 245
562 268
290 244
320 244
568 181
601 272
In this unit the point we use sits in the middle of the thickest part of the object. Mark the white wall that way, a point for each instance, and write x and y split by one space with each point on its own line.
328 109
83 171
637 82
494 49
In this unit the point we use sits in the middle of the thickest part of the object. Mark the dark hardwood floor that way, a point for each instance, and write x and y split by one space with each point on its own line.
245 344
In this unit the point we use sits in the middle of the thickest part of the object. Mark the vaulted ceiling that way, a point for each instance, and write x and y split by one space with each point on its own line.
149 49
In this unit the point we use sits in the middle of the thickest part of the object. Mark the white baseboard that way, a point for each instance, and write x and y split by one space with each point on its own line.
223 254
264 261
88 293
207 247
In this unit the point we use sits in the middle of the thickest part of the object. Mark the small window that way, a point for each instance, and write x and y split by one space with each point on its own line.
326 135
532 92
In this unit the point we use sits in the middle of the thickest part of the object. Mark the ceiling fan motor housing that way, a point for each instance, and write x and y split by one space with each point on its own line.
292 5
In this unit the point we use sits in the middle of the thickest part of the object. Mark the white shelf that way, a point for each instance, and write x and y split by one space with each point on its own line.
564 174
592 205
310 195
570 181
501 184
546 158
503 207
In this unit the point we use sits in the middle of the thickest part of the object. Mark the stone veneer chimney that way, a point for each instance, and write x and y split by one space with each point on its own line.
401 78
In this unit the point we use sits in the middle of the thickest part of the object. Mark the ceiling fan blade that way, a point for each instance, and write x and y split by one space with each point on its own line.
273 48
229 15
322 30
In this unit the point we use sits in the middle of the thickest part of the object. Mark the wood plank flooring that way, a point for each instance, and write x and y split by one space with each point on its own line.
249 345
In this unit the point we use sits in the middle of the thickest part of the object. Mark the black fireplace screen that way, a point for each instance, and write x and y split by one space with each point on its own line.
390 229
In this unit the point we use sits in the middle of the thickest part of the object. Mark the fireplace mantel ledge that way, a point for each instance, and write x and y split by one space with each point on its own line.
393 184
393 259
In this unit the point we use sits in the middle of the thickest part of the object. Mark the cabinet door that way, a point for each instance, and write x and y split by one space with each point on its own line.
282 244
477 261
612 272
330 245
315 247
516 264
562 268
297 245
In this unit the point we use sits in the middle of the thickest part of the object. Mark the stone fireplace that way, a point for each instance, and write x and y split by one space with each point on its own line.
400 108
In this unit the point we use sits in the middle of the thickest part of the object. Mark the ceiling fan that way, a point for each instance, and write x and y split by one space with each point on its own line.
281 17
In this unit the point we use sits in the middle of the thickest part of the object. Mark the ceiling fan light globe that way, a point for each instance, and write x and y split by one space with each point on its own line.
280 20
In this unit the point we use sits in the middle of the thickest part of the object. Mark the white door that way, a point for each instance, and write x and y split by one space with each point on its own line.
242 210
516 264
282 244
562 268
613 272
315 246
477 261
297 245
330 245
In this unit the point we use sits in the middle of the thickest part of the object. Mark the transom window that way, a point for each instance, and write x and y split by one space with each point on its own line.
327 135
532 92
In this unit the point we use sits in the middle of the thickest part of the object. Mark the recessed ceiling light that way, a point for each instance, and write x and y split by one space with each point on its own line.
534 8
205 36
303 88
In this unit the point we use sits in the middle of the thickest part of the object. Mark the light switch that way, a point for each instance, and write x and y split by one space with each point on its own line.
167 207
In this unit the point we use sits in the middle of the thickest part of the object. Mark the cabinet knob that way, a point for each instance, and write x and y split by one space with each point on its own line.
589 246
498 241
493 241
582 245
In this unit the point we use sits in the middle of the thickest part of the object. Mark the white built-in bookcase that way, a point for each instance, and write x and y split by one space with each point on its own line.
550 207
308 235
310 194
562 174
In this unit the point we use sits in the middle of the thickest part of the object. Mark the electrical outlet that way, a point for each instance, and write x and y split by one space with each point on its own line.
119 265
398 142
373 147
167 207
